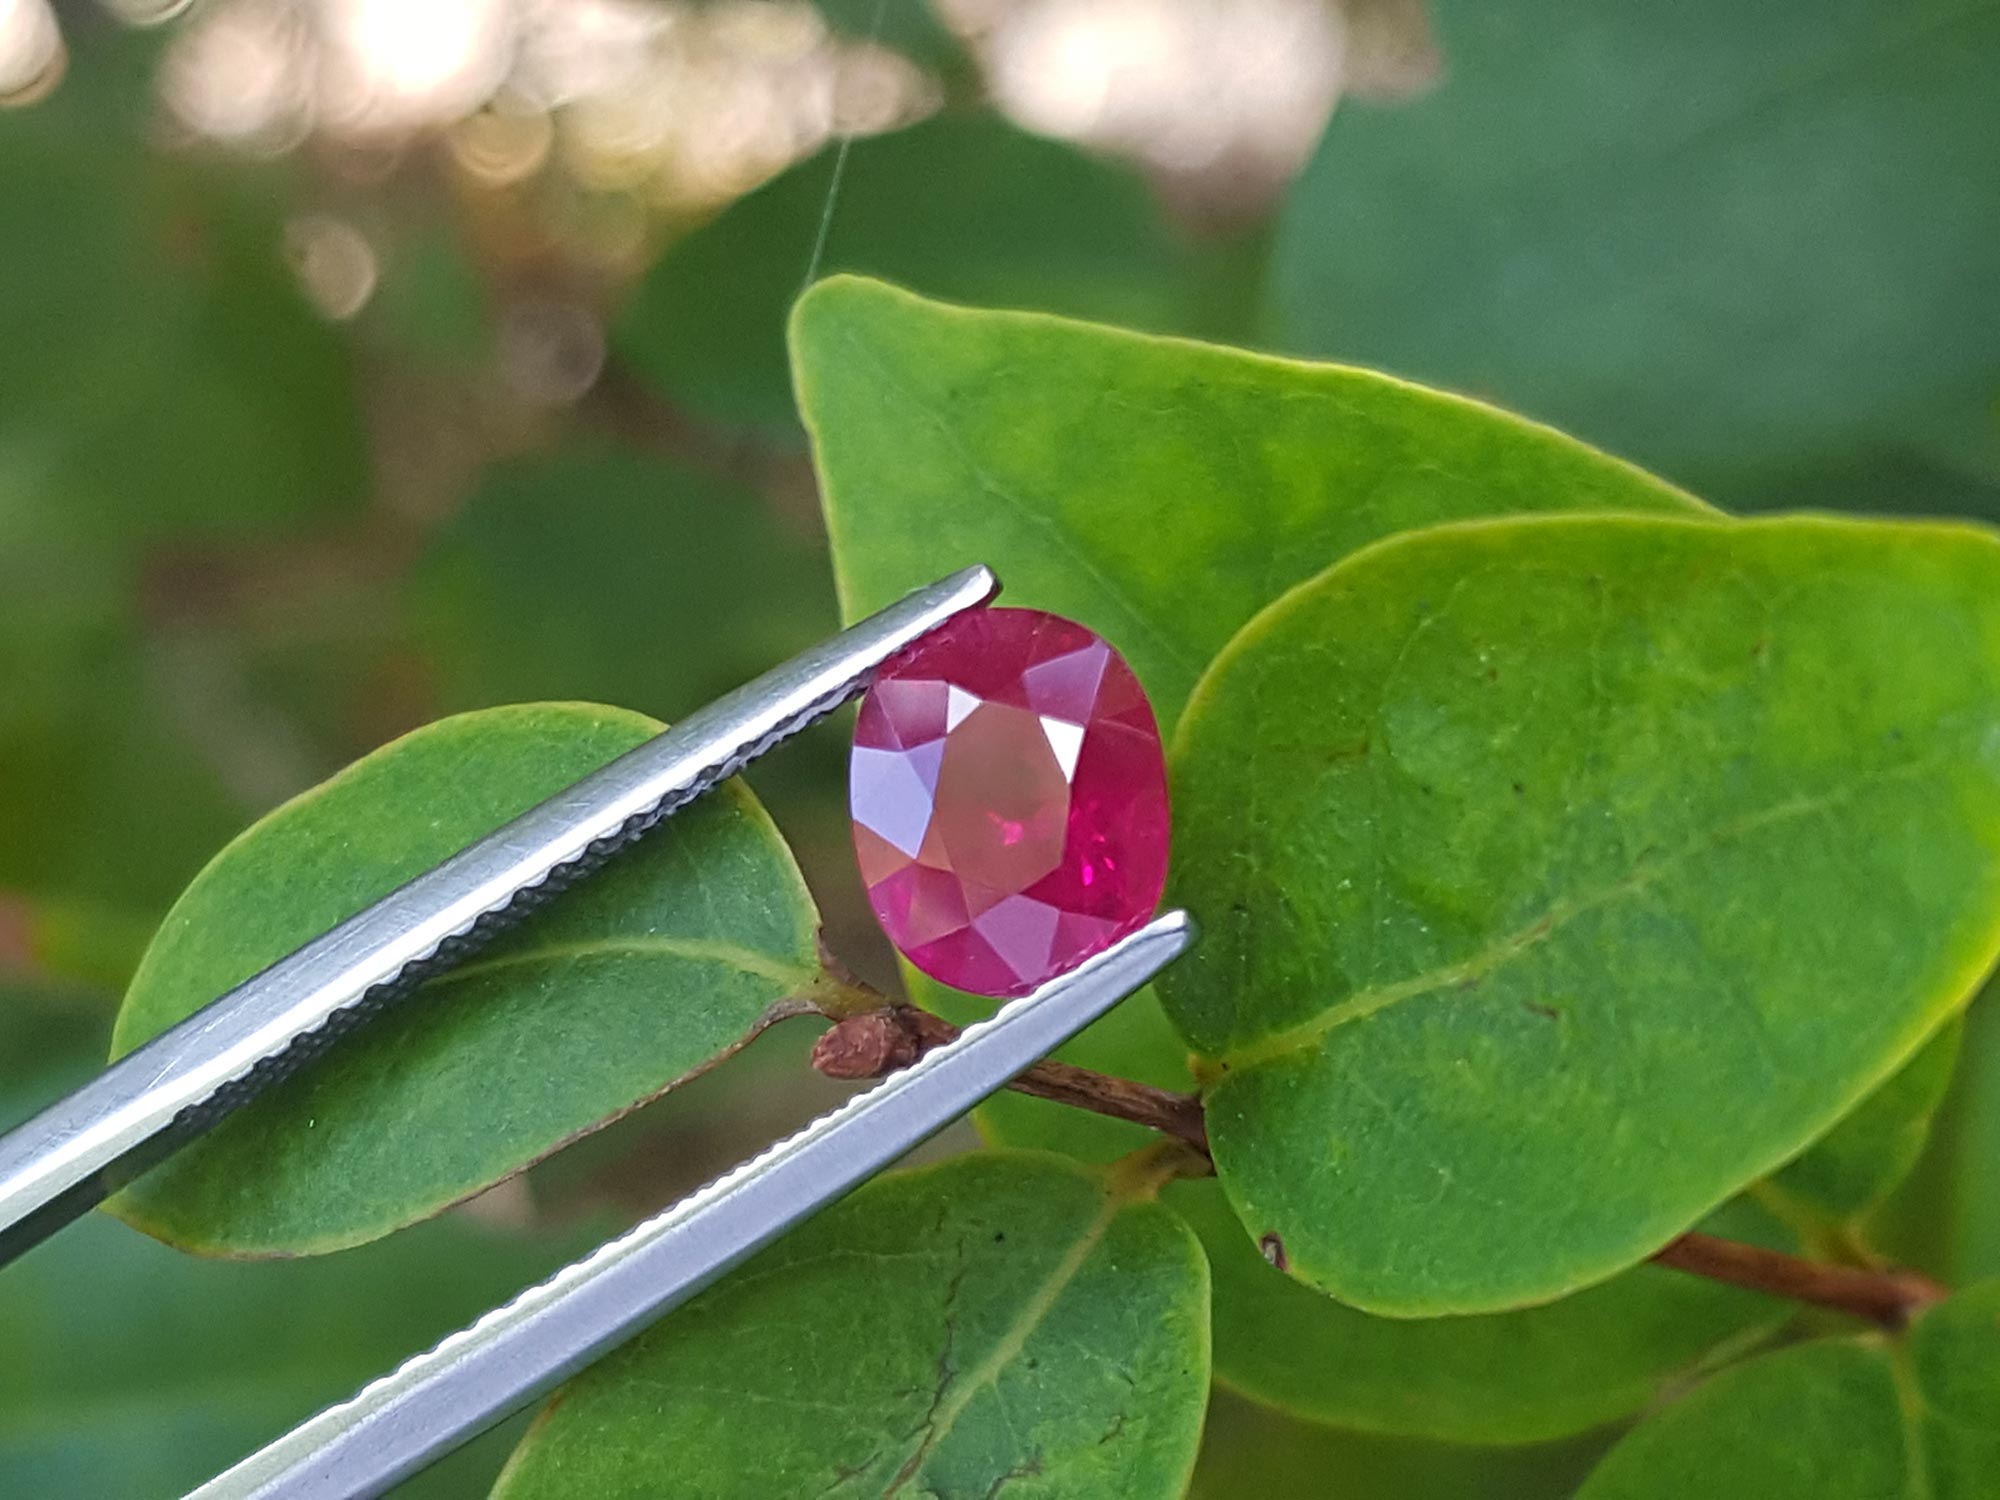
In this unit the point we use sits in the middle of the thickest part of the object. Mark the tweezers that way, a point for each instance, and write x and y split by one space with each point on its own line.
174 1088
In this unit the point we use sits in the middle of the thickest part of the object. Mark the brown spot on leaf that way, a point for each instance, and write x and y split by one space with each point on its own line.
1356 750
1274 1250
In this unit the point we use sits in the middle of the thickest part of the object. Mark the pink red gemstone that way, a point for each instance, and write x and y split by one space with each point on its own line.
1009 794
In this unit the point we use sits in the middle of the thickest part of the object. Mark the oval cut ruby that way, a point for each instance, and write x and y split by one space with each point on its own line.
1009 796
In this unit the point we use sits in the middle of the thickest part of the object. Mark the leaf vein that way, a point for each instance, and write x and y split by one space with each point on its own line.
795 976
1034 1312
1644 874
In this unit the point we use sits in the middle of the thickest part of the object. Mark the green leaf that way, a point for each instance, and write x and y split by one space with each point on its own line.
1272 469
1537 1373
656 968
1509 1378
1249 1452
1959 1194
1165 491
961 206
1503 1378
996 1323
1838 1420
161 373
1852 1169
1162 492
1732 241
1525 849
619 577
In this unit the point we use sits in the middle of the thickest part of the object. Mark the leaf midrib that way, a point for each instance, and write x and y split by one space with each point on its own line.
1911 1409
795 976
1645 873
1034 1312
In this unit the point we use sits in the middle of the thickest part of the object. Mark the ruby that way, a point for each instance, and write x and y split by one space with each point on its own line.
1009 793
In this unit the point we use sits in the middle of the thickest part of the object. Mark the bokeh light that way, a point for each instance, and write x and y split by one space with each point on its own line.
32 56
1235 91
688 104
238 76
334 262
551 350
393 66
146 12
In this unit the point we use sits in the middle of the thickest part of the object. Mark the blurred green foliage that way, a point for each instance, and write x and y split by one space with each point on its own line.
967 208
1843 1419
1744 246
651 542
131 1369
242 544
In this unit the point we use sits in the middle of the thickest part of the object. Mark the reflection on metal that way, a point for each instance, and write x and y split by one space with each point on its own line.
520 1352
180 1084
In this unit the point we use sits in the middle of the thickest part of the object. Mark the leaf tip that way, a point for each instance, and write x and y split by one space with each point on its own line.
831 297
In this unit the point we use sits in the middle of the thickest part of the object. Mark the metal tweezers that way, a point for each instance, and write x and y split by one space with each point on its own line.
172 1089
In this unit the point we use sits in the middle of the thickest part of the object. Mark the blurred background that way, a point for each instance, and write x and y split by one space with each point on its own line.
363 361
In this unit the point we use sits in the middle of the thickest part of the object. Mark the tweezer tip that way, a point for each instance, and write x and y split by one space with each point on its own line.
979 582
1175 928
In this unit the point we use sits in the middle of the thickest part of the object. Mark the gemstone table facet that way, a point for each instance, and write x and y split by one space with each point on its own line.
1009 796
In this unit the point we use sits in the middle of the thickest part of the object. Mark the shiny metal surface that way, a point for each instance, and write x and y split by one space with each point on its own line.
177 1085
519 1352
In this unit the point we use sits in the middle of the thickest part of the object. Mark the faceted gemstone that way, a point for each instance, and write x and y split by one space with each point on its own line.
1009 794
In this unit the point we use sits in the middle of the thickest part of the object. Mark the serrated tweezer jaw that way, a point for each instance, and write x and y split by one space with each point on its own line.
187 1079
183 1082
518 1353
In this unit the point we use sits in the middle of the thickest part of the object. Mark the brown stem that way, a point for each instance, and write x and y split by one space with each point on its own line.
1891 1296
880 1041
871 1043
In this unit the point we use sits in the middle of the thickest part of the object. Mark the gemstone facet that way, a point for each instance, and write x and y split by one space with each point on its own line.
1009 796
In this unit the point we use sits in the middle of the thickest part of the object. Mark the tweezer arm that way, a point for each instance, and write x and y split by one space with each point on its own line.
520 1352
185 1080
